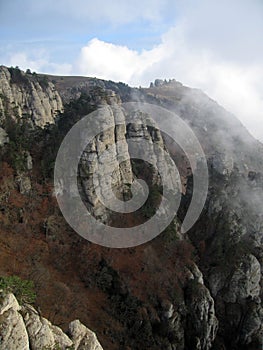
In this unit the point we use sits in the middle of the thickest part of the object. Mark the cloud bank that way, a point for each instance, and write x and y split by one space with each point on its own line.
214 46
237 86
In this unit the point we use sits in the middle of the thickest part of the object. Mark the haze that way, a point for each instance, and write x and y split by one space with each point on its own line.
214 46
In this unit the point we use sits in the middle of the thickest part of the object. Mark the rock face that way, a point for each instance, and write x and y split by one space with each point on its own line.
22 328
13 334
202 323
110 151
231 225
3 137
195 325
83 338
244 281
170 302
25 95
105 166
24 183
41 332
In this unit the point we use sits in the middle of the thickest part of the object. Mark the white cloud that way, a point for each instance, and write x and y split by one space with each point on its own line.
214 46
38 62
237 86
115 62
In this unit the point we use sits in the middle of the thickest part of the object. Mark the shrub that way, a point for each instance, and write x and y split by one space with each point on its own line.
22 289
43 81
17 77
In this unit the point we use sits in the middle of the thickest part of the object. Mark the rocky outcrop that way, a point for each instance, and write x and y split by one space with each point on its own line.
13 334
218 308
202 323
105 166
244 281
109 150
82 337
3 137
23 328
28 95
41 332
237 292
24 183
193 323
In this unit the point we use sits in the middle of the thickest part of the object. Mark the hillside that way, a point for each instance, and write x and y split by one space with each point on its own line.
196 290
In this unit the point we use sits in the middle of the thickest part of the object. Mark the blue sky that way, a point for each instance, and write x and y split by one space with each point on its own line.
213 45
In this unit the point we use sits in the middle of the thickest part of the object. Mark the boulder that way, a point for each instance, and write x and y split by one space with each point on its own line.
82 337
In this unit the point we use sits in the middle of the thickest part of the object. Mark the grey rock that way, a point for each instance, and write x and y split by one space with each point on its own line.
23 325
245 280
41 332
3 137
252 328
202 322
105 167
172 321
13 334
9 302
24 183
40 103
29 161
193 273
83 338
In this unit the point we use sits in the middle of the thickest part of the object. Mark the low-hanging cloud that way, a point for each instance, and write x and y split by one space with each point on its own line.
212 45
237 86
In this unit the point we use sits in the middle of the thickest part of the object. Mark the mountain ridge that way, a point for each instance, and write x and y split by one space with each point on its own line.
199 291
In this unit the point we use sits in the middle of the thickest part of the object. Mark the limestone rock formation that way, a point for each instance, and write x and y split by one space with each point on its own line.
83 338
202 323
41 332
3 137
105 167
23 328
110 151
159 298
244 281
24 183
24 95
13 333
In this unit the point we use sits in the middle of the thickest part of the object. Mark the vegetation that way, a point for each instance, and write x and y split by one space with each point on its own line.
21 140
24 290
17 77
51 136
43 81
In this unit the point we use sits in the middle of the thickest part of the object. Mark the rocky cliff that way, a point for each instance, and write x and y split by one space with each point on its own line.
29 96
23 328
199 291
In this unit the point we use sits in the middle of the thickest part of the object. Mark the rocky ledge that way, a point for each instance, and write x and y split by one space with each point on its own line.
23 328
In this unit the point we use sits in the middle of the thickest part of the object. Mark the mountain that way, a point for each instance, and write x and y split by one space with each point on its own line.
199 289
